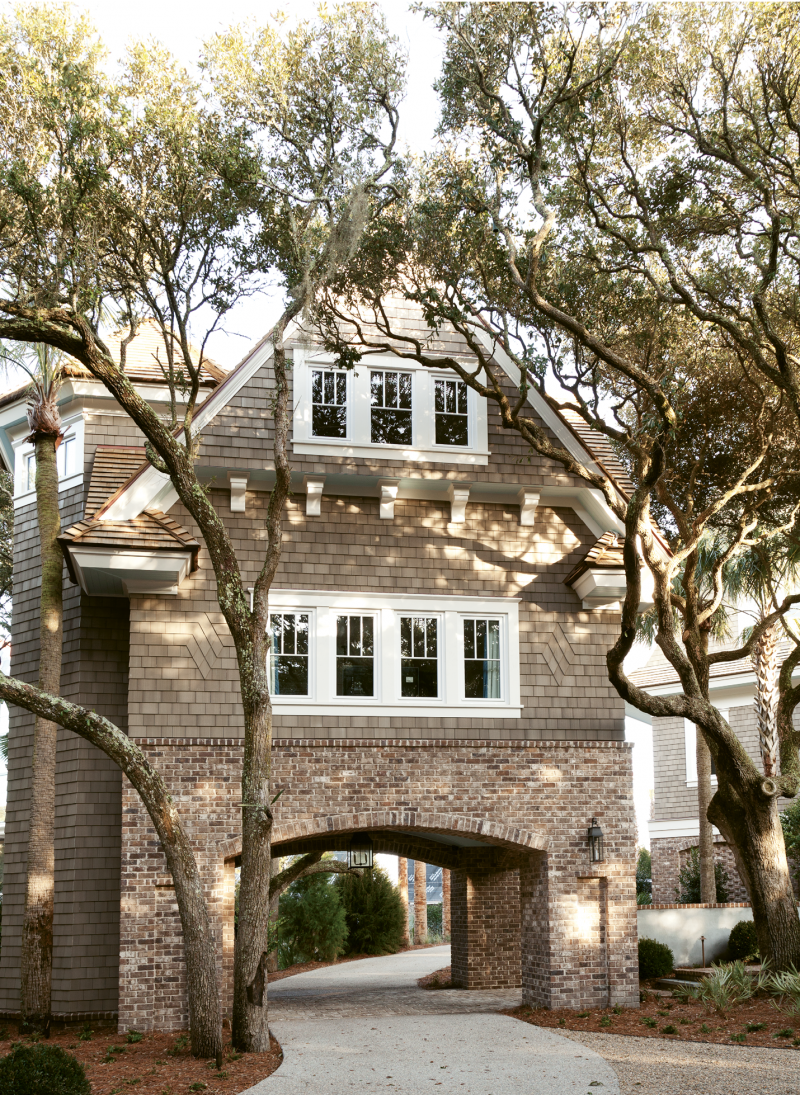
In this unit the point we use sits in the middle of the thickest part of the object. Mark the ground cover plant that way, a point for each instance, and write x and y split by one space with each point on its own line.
148 1064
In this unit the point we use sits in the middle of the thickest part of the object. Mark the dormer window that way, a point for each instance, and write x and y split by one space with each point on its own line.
452 416
390 401
328 403
383 409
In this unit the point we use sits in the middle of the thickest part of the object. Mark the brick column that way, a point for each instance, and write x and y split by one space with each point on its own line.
420 902
578 937
402 885
445 903
485 929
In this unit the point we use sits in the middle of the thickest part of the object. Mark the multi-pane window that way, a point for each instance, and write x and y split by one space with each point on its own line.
419 657
452 419
390 406
29 472
328 403
482 659
67 457
355 656
289 654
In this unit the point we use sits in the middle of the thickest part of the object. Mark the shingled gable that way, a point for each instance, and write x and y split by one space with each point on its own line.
148 487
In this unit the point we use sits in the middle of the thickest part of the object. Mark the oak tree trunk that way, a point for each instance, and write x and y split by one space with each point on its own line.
37 925
708 885
420 902
402 885
200 949
749 820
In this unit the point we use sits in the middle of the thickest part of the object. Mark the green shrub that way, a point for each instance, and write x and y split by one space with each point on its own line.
689 878
743 942
312 925
644 878
42 1070
435 920
374 912
655 959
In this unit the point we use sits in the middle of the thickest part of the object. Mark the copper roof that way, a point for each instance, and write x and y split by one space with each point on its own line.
146 358
600 447
112 468
605 552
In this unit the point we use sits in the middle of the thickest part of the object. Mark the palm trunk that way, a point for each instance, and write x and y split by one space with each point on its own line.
402 885
445 903
37 926
749 821
420 902
708 884
765 663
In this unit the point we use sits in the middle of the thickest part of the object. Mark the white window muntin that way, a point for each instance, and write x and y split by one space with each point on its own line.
388 610
485 618
359 441
278 611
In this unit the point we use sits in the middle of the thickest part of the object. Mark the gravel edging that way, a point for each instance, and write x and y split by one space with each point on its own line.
660 1066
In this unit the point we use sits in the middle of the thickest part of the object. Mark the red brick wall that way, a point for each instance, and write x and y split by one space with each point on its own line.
535 798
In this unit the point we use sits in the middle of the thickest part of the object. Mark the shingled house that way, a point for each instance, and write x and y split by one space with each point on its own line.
674 827
440 621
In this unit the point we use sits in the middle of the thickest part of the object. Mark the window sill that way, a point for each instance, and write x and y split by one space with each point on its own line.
439 455
410 709
29 496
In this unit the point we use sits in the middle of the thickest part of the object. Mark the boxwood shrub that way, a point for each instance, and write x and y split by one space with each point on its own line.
743 942
655 959
42 1070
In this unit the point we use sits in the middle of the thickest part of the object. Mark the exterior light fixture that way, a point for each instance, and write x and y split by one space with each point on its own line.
359 854
595 837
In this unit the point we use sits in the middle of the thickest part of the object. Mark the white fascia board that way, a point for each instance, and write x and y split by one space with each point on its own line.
744 681
597 505
152 486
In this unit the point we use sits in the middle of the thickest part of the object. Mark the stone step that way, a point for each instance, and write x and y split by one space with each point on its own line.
670 983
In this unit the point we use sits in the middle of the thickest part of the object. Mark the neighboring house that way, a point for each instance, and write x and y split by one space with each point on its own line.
675 828
440 622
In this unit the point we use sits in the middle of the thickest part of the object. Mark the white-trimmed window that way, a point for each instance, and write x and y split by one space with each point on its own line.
289 654
329 403
690 745
383 406
355 656
419 656
391 411
452 413
69 461
394 654
482 665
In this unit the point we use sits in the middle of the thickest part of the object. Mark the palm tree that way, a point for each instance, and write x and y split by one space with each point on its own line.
44 420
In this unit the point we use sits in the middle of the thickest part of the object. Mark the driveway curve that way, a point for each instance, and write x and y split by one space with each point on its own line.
366 1027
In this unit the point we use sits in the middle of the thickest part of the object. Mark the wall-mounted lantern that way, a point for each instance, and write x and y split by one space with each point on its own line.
595 837
360 852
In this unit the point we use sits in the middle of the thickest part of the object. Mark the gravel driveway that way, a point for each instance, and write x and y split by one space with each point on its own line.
655 1066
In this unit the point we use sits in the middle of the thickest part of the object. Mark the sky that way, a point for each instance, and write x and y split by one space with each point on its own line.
183 27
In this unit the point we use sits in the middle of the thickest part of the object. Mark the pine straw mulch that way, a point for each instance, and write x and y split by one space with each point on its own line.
159 1064
660 1017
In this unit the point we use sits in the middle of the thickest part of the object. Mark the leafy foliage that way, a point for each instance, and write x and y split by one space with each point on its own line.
655 959
743 942
374 912
311 924
644 879
689 878
42 1070
790 823
435 920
